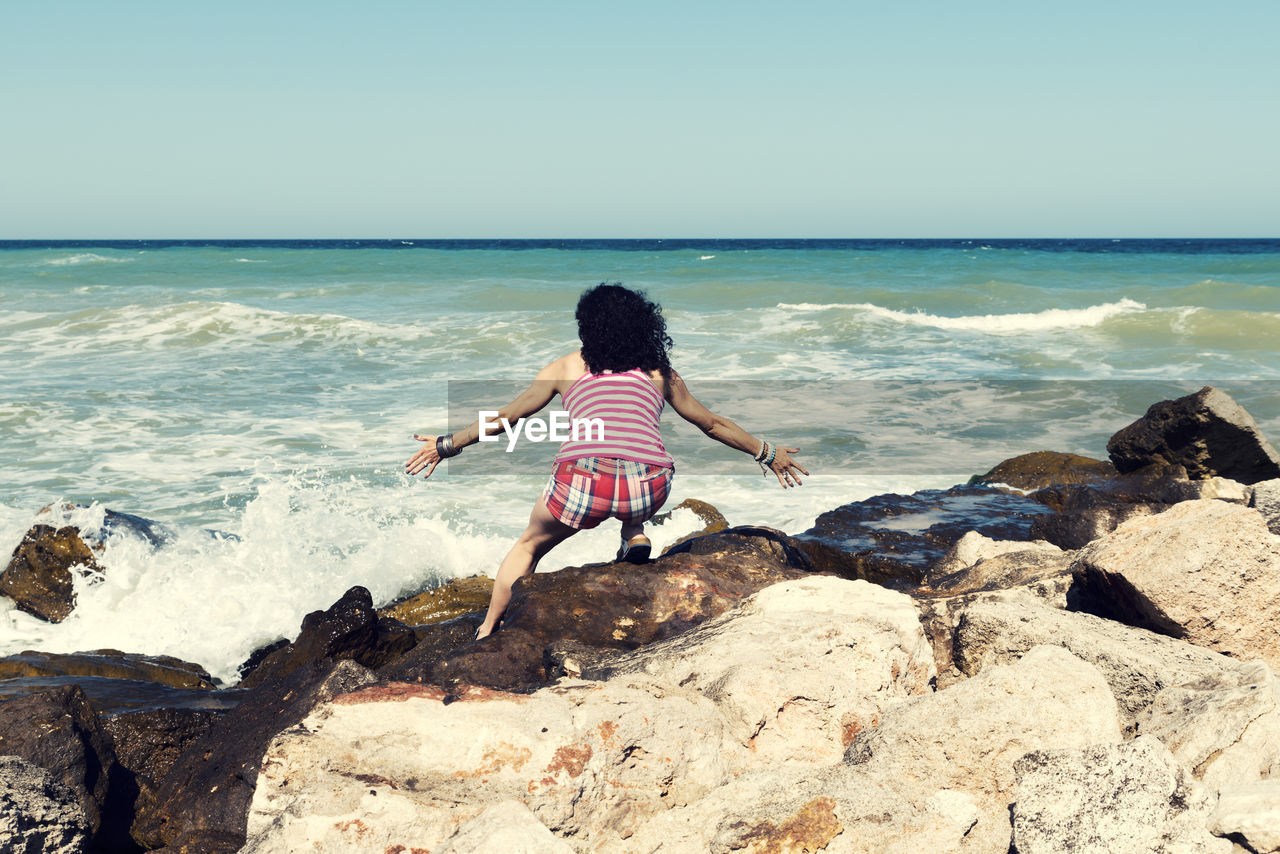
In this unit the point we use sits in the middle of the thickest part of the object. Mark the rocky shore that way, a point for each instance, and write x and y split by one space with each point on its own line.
1063 655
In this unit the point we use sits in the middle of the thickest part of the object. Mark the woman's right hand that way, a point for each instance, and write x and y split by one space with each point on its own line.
427 457
787 470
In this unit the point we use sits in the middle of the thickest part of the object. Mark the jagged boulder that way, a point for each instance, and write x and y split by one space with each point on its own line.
1130 798
1250 812
39 576
350 629
1137 664
58 731
38 814
203 801
1207 432
1205 571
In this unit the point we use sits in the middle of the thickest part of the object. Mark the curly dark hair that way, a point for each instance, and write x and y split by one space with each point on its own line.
622 329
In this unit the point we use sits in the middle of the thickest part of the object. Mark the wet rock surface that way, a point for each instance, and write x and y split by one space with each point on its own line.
110 664
350 629
452 599
203 800
1207 433
1040 469
58 731
38 578
896 539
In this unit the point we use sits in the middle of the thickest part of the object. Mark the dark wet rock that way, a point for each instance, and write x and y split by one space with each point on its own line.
38 813
617 606
111 663
1047 468
38 578
434 642
1086 512
350 629
149 742
58 731
202 803
895 539
752 542
452 599
1207 433
256 657
113 696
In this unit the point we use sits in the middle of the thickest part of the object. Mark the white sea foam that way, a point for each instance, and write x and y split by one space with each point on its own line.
705 257
1054 318
82 258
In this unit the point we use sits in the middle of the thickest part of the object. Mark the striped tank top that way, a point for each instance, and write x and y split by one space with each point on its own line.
628 408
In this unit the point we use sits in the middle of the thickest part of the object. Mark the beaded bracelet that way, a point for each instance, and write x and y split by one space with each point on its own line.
766 457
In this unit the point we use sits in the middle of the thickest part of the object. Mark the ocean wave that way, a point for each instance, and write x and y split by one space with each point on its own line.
1054 318
81 258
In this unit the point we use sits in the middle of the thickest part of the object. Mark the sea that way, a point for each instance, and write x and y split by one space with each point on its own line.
257 399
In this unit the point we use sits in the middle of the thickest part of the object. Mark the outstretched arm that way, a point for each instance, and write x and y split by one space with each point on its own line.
537 395
688 407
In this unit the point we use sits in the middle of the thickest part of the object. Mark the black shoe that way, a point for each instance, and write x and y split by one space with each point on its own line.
635 550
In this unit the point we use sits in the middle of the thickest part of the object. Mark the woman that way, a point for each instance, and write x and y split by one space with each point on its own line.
622 376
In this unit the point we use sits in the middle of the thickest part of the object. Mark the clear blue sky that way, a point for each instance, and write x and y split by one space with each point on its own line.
654 119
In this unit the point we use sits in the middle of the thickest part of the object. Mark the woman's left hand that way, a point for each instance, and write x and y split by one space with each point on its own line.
427 457
787 470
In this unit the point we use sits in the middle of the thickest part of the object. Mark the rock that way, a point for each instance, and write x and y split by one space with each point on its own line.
800 667
398 764
968 737
1224 726
974 547
38 578
895 539
1266 500
504 828
38 814
59 732
1129 798
1137 664
618 605
753 542
1206 432
435 641
113 696
453 599
203 801
112 524
349 630
109 663
713 522
1205 571
1047 468
1250 811
149 742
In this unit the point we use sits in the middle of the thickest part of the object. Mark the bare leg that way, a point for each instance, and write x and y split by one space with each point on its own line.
544 533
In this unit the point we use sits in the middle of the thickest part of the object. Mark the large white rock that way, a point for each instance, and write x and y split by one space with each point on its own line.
937 775
1130 798
504 828
1206 571
974 547
1224 727
799 667
1137 664
1251 811
1266 500
407 765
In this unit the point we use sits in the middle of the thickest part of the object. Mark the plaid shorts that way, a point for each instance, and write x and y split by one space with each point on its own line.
583 493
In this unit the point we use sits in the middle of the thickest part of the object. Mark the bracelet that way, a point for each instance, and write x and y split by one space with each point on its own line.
768 453
445 448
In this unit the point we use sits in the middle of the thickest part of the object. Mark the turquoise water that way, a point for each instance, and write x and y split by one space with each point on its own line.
270 392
